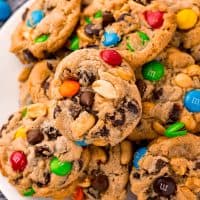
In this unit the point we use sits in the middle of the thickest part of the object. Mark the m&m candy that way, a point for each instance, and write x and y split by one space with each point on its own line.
155 19
111 39
35 18
29 192
175 130
153 71
138 155
5 10
81 143
60 168
18 161
69 88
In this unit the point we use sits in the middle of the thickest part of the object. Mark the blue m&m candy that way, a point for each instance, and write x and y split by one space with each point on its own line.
138 155
35 18
81 143
192 100
111 39
5 10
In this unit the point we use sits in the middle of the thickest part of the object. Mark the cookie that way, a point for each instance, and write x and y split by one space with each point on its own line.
36 158
140 33
97 99
168 169
107 174
169 87
44 29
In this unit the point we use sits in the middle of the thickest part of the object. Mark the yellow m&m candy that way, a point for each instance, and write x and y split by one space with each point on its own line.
20 133
186 19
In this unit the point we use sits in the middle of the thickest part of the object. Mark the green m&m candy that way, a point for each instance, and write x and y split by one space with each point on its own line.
88 20
29 192
74 43
24 112
175 130
143 36
41 38
153 71
98 14
60 168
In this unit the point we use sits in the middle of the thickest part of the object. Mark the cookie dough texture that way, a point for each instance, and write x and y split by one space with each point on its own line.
163 100
126 19
30 130
177 160
60 18
106 175
115 105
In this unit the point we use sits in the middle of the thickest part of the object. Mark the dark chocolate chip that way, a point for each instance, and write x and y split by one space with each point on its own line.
197 166
157 94
43 151
136 175
28 56
49 55
104 132
75 110
45 85
34 136
133 107
118 118
51 132
87 98
144 2
92 46
122 17
160 164
24 15
47 178
100 182
50 8
56 111
91 29
50 66
80 163
154 198
108 18
141 86
165 186
86 78
174 114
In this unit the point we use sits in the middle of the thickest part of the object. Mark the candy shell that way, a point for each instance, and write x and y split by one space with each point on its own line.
35 18
138 155
154 18
81 143
5 10
175 130
29 192
110 39
18 161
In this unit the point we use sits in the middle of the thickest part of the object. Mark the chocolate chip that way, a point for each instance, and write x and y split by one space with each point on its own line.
122 17
86 78
75 110
24 15
104 132
80 163
141 86
197 166
43 151
107 18
50 8
45 85
160 164
164 186
100 182
154 198
118 118
87 98
47 177
133 107
28 56
157 94
49 55
144 2
51 132
56 110
91 29
50 66
174 114
92 46
34 136
136 175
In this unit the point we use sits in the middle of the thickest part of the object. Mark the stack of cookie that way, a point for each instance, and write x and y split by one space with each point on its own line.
109 101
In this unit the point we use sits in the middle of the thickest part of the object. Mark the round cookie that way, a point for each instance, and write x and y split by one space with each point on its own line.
139 33
107 173
169 87
37 160
170 169
98 100
44 29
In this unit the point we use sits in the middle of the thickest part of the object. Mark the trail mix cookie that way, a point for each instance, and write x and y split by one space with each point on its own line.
44 29
168 169
107 174
36 158
138 32
169 87
35 82
98 101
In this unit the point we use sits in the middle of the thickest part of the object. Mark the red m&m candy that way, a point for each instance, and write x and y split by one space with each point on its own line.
78 194
111 57
154 18
18 161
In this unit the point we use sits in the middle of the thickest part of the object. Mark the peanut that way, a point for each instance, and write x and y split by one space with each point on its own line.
24 74
147 107
100 142
99 154
123 73
183 80
126 152
192 70
36 110
158 127
82 124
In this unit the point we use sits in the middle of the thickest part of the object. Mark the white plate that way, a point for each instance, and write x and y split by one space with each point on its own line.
9 70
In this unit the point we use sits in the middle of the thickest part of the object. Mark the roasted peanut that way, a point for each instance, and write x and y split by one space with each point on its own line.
99 154
100 142
147 107
36 110
158 127
123 73
192 70
23 76
183 80
126 152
